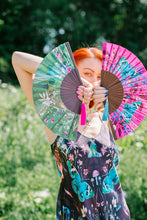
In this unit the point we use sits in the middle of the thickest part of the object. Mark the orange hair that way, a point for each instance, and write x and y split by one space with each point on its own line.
90 52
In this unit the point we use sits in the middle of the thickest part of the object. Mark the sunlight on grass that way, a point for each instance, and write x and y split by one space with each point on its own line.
29 179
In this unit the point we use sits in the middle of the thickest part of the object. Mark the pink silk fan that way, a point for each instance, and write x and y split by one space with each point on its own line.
125 77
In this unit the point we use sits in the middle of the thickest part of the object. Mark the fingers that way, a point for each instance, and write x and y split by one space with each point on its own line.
100 94
98 98
84 93
86 101
86 83
97 83
87 92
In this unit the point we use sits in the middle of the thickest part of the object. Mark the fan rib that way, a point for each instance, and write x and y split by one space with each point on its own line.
68 96
119 60
72 125
131 75
71 54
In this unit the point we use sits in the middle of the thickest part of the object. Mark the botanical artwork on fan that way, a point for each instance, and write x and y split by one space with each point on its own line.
54 92
57 79
132 80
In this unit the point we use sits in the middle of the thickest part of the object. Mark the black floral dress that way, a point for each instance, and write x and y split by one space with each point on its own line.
90 188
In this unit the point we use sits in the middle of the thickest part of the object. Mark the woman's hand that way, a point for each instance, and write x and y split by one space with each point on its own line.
85 92
99 95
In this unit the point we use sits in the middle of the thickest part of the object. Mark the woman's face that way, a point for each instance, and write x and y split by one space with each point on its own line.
90 69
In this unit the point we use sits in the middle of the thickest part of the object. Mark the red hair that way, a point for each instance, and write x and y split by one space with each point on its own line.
91 52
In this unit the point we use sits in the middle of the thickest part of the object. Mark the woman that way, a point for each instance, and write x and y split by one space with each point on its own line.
90 187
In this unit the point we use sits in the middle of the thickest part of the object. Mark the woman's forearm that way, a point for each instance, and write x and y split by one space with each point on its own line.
26 62
25 66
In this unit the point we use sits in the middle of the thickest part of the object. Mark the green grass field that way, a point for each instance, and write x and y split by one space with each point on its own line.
29 180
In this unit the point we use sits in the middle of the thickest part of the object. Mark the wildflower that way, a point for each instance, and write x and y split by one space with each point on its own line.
38 200
2 195
45 193
139 144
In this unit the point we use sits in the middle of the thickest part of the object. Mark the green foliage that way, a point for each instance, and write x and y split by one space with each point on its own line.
29 180
38 26
132 170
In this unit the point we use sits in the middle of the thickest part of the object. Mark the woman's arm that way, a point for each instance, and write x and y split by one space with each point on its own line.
25 66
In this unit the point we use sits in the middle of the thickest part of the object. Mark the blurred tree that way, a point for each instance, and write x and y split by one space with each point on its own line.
131 25
21 28
36 27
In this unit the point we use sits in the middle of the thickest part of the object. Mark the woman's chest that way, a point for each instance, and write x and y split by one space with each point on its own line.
87 154
92 127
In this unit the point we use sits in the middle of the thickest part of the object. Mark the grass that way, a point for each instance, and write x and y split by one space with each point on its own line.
29 181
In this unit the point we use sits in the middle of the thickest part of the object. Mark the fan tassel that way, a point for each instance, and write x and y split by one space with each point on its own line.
83 114
106 111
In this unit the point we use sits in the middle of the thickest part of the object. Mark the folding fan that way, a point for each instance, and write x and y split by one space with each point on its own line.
125 77
54 92
57 78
